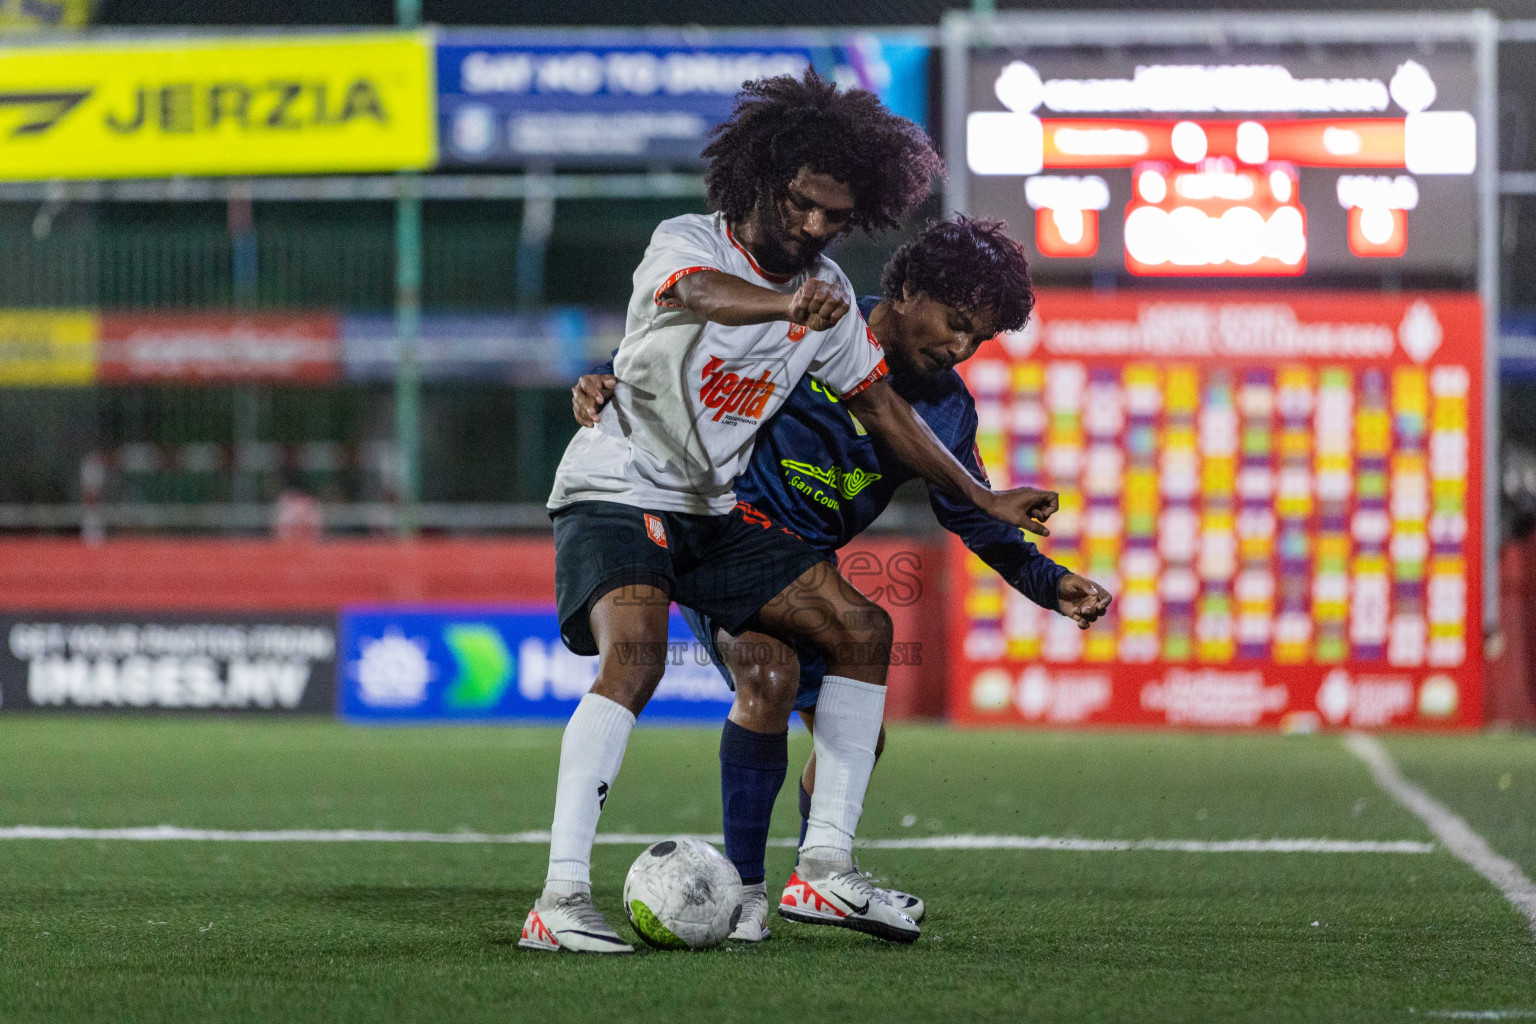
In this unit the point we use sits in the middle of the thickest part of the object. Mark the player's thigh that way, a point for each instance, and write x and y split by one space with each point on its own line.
729 567
823 609
602 546
629 625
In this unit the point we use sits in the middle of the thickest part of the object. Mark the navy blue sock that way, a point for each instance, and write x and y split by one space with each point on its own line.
805 810
752 769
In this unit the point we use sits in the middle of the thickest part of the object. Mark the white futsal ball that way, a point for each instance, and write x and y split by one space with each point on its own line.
683 894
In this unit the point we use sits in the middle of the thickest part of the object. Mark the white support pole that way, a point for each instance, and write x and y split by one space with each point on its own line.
956 36
1488 290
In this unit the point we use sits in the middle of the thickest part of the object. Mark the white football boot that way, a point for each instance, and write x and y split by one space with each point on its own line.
570 924
905 902
912 906
753 926
845 899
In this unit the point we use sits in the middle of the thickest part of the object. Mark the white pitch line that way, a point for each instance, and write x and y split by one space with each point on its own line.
169 833
1458 837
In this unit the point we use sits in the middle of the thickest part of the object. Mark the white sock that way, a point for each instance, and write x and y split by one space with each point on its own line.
590 755
848 715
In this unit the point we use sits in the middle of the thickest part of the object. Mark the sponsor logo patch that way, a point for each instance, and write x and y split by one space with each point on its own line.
655 530
846 482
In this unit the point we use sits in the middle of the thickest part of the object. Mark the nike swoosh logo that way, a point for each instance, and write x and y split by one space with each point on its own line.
851 907
592 935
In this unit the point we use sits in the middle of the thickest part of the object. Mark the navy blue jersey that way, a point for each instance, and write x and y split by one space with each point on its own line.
818 471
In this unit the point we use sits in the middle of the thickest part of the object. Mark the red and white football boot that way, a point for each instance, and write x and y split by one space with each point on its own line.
570 924
846 899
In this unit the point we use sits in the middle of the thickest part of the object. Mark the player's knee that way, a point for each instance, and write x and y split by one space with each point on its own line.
870 627
638 671
769 684
630 669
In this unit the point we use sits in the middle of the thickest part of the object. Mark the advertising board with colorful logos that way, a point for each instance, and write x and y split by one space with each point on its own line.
372 664
156 107
281 662
64 348
326 103
47 347
549 346
1282 490
493 664
629 97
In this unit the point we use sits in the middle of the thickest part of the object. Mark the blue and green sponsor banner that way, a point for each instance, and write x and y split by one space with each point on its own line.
401 664
615 98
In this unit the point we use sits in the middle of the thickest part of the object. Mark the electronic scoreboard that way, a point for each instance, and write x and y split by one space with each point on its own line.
1253 161
1266 416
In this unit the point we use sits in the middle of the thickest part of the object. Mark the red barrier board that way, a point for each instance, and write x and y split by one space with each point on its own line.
197 577
1283 492
197 348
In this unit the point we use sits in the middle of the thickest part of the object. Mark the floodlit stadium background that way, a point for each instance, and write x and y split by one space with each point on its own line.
288 319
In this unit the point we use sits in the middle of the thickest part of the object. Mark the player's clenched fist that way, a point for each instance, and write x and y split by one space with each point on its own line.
817 304
1028 507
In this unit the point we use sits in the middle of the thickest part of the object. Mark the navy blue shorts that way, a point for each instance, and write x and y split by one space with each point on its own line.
727 566
813 667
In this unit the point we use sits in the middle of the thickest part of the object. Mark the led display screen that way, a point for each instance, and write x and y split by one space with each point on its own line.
1319 161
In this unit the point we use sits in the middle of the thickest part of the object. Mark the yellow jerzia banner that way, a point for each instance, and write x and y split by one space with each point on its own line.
47 348
273 105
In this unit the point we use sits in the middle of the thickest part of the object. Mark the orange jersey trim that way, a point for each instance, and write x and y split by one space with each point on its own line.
874 375
775 278
667 286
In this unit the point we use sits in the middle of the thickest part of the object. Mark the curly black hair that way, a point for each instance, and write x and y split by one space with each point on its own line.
782 124
969 264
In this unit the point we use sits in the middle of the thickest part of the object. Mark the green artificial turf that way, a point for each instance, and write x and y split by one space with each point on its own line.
185 931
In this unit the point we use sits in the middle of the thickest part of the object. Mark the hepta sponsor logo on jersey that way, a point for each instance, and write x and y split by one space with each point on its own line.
168 662
736 398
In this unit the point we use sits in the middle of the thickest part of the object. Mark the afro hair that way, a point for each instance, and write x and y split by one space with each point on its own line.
782 124
968 264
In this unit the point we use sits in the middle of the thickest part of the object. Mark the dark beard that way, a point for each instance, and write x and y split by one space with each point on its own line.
772 256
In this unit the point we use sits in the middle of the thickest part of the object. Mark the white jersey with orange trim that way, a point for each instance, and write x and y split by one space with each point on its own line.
691 393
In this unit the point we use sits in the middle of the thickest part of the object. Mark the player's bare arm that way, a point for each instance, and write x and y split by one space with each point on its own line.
885 412
732 301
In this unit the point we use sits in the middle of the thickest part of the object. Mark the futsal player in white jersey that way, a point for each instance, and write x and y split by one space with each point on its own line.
729 311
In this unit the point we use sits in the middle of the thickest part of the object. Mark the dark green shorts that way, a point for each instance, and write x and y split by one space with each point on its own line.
727 567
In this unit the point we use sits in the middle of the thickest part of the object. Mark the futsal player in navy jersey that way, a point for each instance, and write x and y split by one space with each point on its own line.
817 471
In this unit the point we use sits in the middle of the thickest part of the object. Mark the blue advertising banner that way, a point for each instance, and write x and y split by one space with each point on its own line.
638 98
551 346
486 664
